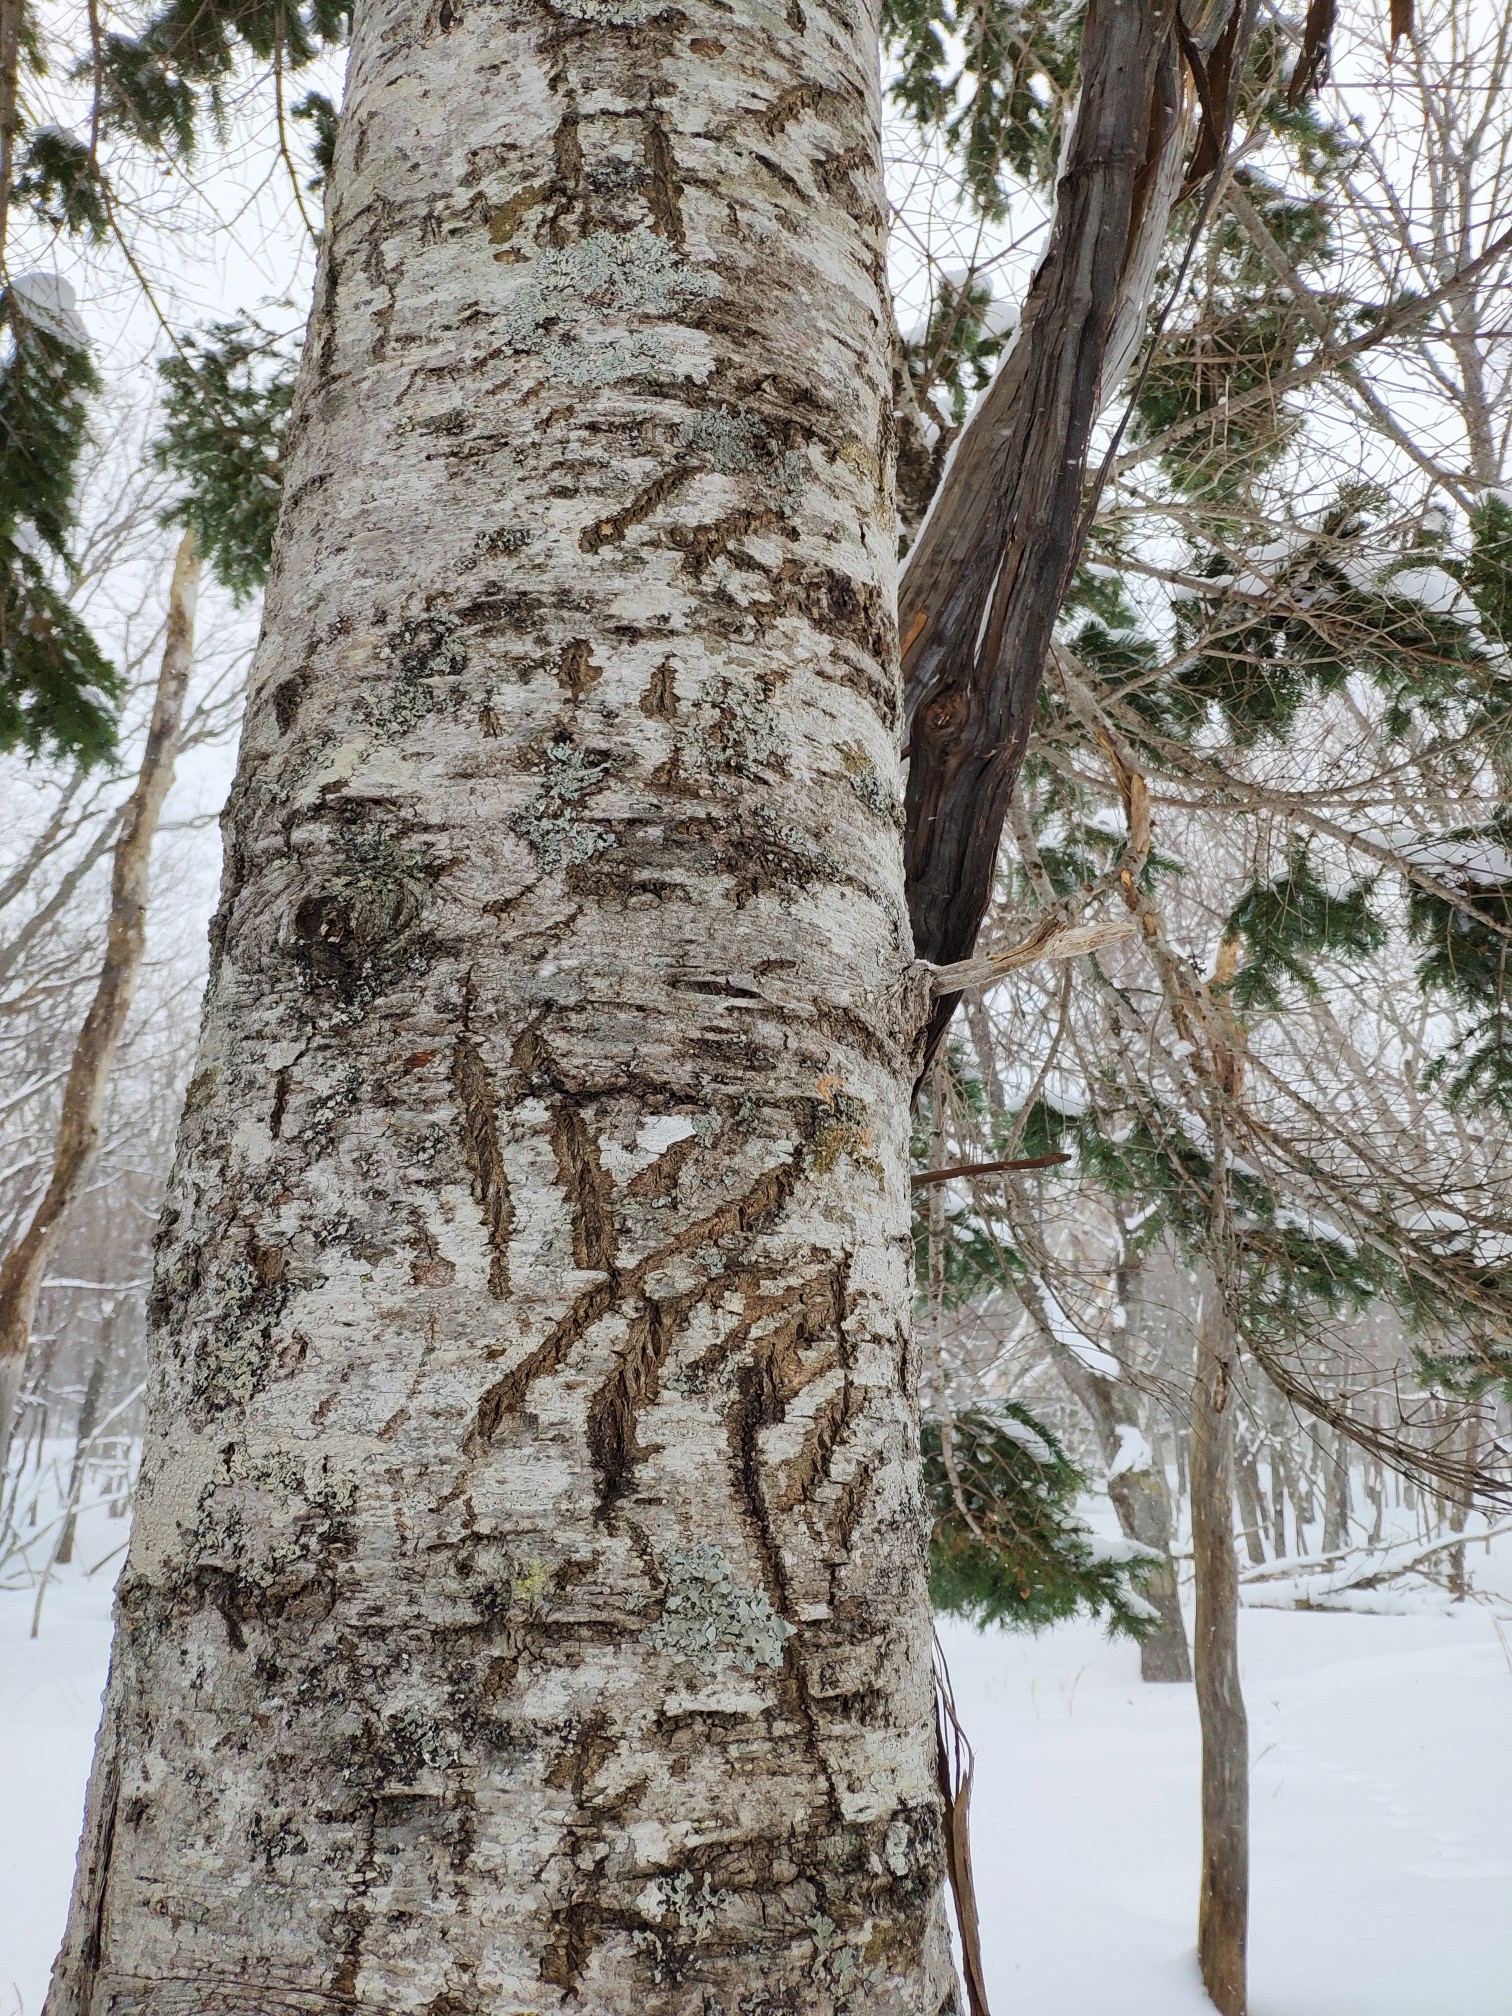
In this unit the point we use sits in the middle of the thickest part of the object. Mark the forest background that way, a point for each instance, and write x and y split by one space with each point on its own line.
1266 783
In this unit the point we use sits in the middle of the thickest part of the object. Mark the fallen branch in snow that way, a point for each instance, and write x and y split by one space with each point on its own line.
1285 1589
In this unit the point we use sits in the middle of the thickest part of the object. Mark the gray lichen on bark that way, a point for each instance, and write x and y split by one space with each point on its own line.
707 1616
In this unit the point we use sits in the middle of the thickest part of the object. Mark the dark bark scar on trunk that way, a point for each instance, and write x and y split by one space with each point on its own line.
485 1162
749 1213
666 483
659 701
664 196
93 1945
577 674
766 1387
793 103
586 1185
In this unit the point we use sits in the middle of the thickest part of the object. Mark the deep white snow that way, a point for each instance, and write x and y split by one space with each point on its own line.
1382 1805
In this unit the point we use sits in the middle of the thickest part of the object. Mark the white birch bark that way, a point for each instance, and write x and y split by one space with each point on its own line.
526 1606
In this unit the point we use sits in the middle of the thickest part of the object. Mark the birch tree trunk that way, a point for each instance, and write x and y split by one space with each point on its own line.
527 1602
26 1264
88 1414
1336 1493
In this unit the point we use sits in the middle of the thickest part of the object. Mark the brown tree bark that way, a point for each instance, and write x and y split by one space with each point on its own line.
88 1414
12 13
24 1267
984 581
1278 1500
1251 1516
1223 1907
1336 1506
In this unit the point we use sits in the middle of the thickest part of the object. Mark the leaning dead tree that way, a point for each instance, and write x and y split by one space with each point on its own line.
984 582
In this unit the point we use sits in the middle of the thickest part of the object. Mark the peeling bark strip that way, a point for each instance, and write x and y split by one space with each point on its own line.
985 580
526 1606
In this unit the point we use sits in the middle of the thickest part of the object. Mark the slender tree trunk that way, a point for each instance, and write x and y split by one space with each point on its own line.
1247 1486
88 1414
527 1602
1278 1502
1299 1490
12 15
1141 1495
1460 1509
1336 1495
1375 1494
1223 1909
25 1266
1141 1500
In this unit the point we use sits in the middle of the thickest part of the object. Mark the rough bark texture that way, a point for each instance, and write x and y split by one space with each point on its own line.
1223 1908
1251 1517
1141 1497
26 1264
1143 1505
1336 1493
984 582
527 1605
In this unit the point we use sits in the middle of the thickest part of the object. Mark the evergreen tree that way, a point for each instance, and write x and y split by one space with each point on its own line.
227 394
1008 1546
57 689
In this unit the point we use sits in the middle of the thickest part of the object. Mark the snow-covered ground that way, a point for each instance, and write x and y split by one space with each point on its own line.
1381 1811
1382 1806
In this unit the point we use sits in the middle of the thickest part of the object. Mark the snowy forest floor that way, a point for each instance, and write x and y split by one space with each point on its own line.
1382 1804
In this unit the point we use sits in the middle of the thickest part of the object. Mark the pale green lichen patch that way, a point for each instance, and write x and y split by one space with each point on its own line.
879 798
682 1912
737 444
551 824
235 1347
706 1615
725 440
613 13
632 356
834 1956
738 730
784 479
608 277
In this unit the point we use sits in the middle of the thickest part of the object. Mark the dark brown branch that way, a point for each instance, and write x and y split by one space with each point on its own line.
926 1176
954 1768
984 585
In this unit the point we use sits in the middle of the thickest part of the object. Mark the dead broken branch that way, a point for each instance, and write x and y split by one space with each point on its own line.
1051 940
